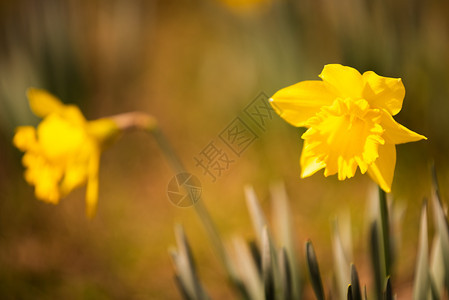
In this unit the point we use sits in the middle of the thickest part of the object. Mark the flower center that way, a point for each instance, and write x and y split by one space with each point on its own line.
345 135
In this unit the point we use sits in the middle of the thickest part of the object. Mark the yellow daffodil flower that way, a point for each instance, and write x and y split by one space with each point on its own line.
63 152
242 5
349 121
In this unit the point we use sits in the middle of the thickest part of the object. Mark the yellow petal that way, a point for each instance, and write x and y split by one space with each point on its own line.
346 82
46 185
383 92
395 133
25 137
105 131
43 103
310 163
346 168
382 170
75 176
92 184
73 114
298 102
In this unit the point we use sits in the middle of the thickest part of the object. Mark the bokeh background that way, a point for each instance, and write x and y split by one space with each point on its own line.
195 65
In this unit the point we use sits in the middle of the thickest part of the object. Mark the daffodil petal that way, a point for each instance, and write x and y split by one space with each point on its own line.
43 103
382 170
73 114
346 168
92 184
25 137
301 101
345 81
384 92
310 163
396 133
75 175
104 130
46 185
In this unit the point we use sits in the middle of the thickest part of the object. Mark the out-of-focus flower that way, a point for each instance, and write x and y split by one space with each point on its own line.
63 152
349 121
245 6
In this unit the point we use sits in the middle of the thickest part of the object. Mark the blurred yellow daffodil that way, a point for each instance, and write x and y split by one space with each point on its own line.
63 152
240 6
349 121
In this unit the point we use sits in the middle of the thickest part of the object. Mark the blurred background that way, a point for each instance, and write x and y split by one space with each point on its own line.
195 66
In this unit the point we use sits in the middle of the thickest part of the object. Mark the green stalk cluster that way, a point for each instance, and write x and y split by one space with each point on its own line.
263 270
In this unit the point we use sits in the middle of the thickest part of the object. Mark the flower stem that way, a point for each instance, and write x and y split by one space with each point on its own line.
141 121
384 217
199 206
145 122
166 148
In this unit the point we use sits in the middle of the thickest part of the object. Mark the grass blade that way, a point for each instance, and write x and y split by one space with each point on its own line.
256 213
268 267
283 227
355 284
285 275
388 293
376 260
314 271
421 283
185 267
256 255
434 293
442 228
436 269
248 270
350 297
182 289
341 268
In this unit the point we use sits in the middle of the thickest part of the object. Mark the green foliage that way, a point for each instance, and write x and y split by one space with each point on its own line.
186 274
354 287
266 271
314 271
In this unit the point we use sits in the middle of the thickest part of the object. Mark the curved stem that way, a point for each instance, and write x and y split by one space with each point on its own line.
142 121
